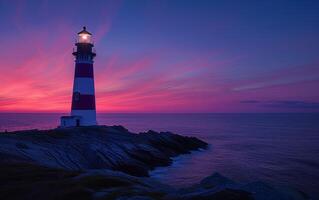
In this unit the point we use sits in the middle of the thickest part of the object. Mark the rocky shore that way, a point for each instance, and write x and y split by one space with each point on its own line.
109 162
97 147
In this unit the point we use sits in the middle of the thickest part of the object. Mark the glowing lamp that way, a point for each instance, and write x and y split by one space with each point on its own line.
84 36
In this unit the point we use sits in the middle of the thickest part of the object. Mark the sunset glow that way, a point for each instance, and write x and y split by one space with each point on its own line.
161 59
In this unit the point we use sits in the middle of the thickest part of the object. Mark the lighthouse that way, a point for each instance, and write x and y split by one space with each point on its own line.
83 111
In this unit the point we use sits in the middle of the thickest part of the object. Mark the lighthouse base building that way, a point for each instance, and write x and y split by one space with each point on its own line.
83 111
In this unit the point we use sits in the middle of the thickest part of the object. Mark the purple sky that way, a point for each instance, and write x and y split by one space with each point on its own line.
163 56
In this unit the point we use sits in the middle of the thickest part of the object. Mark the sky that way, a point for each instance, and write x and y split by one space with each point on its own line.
163 56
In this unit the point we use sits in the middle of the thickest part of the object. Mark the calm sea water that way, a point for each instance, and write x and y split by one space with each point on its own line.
276 148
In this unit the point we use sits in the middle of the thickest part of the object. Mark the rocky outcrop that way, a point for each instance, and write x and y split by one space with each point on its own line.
28 181
96 147
217 186
104 162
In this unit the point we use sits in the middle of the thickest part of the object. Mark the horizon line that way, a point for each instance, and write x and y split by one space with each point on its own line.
292 112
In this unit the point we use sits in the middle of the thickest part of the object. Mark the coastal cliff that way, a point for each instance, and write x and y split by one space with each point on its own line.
96 147
109 162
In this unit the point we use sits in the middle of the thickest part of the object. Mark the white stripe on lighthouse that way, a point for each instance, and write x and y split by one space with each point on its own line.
84 60
84 85
88 116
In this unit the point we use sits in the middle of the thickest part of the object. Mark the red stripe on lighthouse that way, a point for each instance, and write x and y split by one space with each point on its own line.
83 102
84 70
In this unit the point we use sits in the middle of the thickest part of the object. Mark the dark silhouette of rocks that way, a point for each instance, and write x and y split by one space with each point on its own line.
109 162
96 147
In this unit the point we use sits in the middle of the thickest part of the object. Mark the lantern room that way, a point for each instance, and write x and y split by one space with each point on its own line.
84 36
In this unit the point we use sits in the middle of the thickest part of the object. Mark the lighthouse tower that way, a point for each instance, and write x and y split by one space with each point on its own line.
83 112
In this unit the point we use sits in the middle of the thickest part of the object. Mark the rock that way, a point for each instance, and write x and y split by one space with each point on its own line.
28 181
135 198
225 194
215 180
97 147
217 186
264 191
102 162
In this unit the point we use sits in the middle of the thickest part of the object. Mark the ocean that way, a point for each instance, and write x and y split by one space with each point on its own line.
281 149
